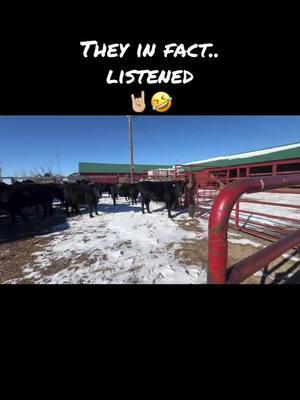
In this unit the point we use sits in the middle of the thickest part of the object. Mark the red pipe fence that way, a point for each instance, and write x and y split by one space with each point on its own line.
218 228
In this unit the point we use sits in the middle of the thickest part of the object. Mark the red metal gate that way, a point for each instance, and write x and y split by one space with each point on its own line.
249 214
218 227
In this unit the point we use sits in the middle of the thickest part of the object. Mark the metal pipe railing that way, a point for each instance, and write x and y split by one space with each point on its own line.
219 219
240 271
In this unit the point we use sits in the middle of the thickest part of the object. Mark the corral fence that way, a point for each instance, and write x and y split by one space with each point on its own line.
270 216
219 221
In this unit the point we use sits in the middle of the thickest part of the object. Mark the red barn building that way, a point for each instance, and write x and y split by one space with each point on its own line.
116 173
219 171
260 216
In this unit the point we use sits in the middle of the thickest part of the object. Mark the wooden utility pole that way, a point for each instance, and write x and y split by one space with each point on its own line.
131 149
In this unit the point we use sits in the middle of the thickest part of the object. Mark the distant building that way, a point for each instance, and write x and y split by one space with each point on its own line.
72 177
117 173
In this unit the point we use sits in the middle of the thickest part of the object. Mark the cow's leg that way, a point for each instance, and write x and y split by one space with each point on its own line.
67 204
180 202
74 208
147 205
114 199
96 209
143 204
169 209
91 211
175 204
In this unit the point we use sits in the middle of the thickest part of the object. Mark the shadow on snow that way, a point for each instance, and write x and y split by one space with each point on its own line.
37 225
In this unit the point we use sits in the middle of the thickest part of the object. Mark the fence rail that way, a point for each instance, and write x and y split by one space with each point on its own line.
218 228
259 220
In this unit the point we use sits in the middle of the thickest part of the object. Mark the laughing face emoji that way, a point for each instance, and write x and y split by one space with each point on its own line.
161 102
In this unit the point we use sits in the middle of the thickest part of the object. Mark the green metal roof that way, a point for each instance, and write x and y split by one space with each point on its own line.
285 154
85 167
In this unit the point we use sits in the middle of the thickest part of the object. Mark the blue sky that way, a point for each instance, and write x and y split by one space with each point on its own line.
28 142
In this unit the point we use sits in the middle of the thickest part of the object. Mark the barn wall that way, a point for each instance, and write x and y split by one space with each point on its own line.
111 178
226 175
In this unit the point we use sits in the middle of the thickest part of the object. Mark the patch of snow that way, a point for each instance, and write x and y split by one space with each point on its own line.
121 245
289 257
244 242
231 234
259 273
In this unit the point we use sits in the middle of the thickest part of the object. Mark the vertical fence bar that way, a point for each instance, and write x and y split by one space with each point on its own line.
237 214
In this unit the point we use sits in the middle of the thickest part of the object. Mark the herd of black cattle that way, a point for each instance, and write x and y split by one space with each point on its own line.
20 195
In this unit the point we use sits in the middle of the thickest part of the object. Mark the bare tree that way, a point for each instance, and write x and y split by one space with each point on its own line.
43 171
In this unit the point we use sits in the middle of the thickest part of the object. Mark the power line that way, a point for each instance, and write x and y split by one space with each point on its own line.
152 141
58 161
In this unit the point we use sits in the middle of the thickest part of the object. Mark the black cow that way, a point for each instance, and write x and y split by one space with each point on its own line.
5 190
28 181
92 195
166 192
73 196
127 190
14 198
82 192
25 181
180 188
133 193
58 192
106 187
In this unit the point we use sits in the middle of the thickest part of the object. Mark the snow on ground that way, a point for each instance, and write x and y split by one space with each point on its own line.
121 245
244 242
284 198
